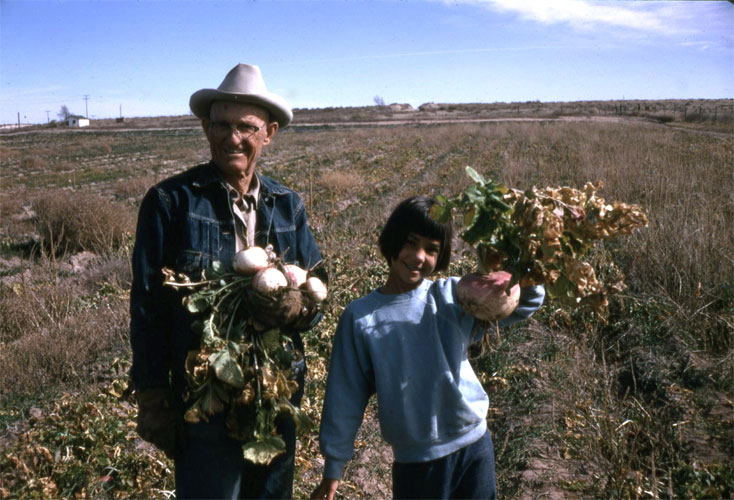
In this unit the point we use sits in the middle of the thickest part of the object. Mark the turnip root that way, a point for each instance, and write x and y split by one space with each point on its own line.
297 275
268 281
485 296
316 289
250 260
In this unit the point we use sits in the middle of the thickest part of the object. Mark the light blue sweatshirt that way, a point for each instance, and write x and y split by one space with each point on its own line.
410 348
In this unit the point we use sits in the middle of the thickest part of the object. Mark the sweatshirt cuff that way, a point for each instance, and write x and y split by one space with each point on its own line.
333 468
531 298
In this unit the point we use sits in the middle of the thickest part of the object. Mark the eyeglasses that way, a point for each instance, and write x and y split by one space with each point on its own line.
241 130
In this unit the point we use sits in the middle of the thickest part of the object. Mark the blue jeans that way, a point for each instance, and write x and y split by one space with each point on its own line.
466 473
211 463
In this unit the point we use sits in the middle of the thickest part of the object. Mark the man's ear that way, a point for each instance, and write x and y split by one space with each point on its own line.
270 129
205 125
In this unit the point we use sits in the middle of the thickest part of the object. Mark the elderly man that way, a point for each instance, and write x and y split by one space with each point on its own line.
187 222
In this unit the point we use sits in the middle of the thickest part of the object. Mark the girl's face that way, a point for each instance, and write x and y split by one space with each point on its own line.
415 261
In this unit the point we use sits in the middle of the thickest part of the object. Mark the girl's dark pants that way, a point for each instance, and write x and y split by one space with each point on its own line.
466 473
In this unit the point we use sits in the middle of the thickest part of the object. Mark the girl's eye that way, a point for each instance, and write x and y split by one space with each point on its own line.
411 241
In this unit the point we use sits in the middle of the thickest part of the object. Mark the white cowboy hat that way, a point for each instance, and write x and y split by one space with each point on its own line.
244 83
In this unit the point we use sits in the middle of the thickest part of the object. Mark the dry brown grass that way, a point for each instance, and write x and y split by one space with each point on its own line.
340 182
7 152
132 188
33 308
70 221
64 352
55 327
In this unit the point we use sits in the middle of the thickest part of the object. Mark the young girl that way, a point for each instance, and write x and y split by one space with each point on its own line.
407 341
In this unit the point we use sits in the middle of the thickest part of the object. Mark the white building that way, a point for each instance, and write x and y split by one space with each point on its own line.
77 121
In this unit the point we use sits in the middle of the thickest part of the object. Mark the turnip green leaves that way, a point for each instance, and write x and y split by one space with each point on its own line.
241 368
542 235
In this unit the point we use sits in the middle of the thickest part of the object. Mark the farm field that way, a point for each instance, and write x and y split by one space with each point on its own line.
638 406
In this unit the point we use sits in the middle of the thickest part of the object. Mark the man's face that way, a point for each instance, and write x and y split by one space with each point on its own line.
237 133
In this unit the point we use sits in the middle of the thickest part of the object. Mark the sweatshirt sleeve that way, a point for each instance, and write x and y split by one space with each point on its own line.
349 385
531 298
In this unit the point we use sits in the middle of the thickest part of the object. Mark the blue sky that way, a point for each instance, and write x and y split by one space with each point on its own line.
146 58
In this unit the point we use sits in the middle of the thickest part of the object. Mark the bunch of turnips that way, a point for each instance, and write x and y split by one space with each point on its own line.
268 278
245 314
536 236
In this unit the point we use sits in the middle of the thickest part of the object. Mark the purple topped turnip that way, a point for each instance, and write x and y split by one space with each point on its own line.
486 296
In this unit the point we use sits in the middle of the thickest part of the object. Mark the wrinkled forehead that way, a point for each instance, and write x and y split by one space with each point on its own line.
236 111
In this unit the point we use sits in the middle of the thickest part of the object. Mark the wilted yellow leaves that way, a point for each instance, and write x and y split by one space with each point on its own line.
541 235
582 275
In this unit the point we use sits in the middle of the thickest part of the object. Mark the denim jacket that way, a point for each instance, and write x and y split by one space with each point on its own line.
185 223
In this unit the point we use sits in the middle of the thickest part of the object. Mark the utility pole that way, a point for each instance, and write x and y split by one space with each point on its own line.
86 108
47 118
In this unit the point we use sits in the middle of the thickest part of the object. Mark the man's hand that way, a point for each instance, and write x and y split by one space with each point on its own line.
325 490
309 310
158 422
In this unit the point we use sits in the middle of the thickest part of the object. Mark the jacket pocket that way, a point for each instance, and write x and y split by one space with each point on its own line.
190 263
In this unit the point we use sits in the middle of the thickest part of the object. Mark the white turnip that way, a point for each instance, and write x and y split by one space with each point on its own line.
297 275
268 281
485 296
250 260
316 289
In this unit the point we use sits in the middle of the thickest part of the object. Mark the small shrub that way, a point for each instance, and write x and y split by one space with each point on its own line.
70 222
8 153
340 181
64 354
30 307
31 163
25 309
133 187
112 274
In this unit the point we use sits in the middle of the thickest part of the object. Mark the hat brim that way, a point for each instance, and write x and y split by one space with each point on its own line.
201 102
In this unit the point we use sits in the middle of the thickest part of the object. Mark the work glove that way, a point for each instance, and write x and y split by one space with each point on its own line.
159 422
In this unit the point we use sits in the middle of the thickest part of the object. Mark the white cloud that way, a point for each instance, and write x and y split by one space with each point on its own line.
584 14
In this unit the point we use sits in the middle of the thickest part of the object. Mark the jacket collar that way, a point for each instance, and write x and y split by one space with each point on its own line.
209 175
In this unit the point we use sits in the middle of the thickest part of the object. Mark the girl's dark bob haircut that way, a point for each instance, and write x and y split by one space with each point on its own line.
412 215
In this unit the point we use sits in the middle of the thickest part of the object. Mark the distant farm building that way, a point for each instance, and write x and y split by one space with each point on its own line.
77 121
401 107
429 106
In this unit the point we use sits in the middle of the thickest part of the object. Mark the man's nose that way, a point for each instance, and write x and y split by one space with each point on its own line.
233 136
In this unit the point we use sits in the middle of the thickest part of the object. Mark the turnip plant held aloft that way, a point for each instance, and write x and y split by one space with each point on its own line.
243 366
539 236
